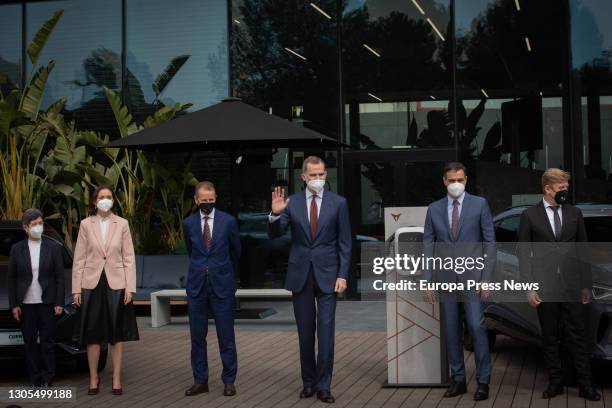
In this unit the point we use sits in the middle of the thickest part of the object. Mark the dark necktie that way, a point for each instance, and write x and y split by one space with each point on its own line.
557 222
313 216
207 236
455 220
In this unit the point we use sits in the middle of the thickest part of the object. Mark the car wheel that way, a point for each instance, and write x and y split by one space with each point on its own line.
83 365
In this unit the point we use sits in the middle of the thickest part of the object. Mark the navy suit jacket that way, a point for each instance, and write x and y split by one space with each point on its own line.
219 261
475 236
329 252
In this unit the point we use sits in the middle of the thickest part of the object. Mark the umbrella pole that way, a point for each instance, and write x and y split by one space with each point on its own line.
234 180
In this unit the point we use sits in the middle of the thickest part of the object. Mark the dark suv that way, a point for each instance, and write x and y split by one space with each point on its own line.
11 340
520 320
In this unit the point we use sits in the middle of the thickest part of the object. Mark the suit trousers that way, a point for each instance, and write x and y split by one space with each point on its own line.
315 313
223 312
553 317
38 323
452 322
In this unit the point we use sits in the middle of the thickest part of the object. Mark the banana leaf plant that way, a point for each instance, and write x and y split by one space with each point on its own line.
22 137
71 171
137 177
174 204
163 79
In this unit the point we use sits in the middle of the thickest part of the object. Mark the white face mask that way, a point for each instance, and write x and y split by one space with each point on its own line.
36 231
455 189
316 185
105 204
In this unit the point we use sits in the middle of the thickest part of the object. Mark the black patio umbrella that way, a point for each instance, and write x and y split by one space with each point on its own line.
228 125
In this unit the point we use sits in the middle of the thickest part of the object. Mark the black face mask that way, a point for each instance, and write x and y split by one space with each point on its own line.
206 208
561 197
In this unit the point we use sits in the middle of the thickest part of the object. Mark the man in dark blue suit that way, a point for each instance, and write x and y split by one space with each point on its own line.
460 225
318 268
213 245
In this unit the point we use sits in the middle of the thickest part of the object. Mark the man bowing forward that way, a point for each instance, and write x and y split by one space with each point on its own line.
318 269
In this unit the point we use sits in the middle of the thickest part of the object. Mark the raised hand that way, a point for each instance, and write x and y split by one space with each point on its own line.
279 203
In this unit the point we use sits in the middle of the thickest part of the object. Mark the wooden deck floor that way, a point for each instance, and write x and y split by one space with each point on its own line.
157 371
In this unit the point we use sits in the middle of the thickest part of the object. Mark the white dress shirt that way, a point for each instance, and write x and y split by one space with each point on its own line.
211 217
34 292
104 228
551 214
449 207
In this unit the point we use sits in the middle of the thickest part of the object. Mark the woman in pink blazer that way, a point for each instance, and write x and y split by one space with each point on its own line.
103 283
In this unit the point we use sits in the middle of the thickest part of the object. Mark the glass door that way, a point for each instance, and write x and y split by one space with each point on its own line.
374 181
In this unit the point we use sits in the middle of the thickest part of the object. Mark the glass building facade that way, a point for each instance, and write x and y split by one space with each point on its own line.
509 87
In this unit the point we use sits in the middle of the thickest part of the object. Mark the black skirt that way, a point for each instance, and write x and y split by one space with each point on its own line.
103 316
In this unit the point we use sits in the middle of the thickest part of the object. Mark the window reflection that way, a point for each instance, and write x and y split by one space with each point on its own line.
86 49
396 64
403 125
524 130
377 185
285 60
510 87
176 53
591 44
10 44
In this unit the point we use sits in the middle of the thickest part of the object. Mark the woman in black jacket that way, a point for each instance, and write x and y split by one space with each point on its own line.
36 294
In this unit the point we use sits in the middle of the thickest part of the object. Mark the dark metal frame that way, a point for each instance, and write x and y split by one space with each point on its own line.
23 64
124 77
230 88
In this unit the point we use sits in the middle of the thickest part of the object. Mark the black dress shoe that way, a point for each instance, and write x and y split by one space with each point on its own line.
482 392
229 390
456 388
326 397
196 389
307 392
552 391
589 393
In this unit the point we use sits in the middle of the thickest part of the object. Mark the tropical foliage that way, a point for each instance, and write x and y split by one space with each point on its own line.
139 178
46 162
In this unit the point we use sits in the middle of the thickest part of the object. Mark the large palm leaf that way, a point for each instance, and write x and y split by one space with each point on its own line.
33 92
124 119
35 48
10 115
166 76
